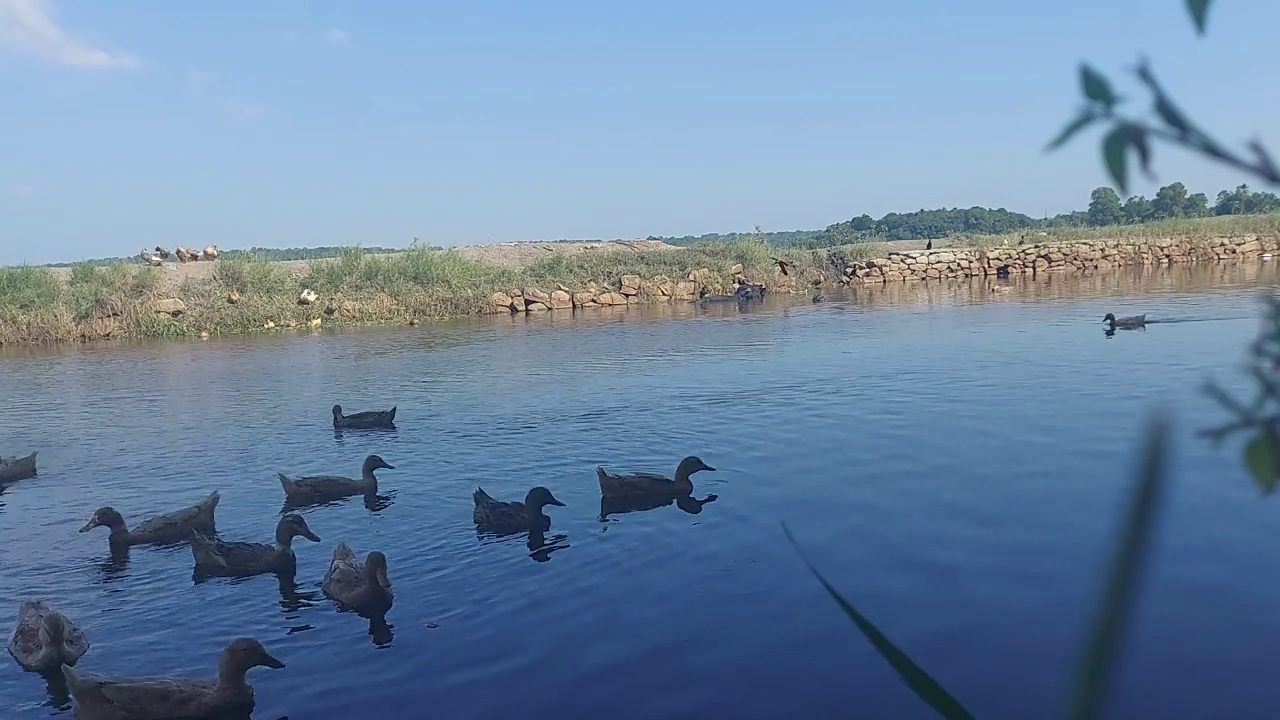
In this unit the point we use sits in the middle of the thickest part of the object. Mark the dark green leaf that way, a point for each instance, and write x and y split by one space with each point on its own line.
1199 10
1081 122
1096 87
1259 457
1138 138
1115 152
919 681
1110 616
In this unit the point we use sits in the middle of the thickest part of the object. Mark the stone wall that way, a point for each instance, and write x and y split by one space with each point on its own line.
1032 259
1052 257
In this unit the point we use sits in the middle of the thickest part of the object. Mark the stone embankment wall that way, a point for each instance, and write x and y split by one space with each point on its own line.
1052 257
945 263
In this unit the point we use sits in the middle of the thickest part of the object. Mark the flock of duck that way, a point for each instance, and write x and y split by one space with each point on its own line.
48 642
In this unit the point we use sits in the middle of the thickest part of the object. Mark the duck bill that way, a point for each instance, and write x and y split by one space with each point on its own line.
388 466
93 523
708 467
555 501
311 536
270 661
383 580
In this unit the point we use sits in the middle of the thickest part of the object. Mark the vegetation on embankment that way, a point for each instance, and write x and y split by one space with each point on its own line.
246 293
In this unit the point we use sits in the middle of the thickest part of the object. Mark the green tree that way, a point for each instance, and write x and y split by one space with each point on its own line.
1105 207
1196 205
1170 201
1137 209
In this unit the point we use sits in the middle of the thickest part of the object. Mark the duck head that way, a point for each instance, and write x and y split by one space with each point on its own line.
55 630
375 462
242 654
1109 318
291 526
375 564
337 411
104 516
691 465
539 497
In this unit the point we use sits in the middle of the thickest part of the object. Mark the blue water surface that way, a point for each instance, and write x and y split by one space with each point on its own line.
955 461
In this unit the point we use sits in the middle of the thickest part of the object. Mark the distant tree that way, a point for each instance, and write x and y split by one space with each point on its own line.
1105 207
1196 206
1170 201
1137 209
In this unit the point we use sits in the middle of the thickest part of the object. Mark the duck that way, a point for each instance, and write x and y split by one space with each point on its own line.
651 485
322 488
170 527
1125 323
97 697
513 517
367 420
249 558
17 468
363 586
45 639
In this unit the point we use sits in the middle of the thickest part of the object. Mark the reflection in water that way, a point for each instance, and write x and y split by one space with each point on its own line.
541 547
380 631
115 566
622 505
373 503
56 687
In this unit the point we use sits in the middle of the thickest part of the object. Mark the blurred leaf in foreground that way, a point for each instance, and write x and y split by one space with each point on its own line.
1260 458
920 682
1106 636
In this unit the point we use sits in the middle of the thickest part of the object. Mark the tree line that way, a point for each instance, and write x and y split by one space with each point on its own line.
1105 209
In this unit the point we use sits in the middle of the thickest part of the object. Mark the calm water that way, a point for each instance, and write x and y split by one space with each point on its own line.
953 459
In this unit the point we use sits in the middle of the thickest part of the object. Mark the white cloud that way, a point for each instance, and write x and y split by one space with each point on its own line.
28 26
337 36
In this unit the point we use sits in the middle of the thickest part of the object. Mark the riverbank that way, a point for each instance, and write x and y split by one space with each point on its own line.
82 303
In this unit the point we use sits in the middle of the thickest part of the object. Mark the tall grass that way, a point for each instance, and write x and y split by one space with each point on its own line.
1193 229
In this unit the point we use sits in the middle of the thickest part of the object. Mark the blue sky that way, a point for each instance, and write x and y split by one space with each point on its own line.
136 122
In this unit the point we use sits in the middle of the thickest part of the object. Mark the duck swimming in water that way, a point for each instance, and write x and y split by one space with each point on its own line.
147 698
651 485
1125 323
506 518
17 468
323 488
249 558
171 527
361 586
367 420
44 638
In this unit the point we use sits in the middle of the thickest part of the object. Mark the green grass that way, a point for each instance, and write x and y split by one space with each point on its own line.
1182 228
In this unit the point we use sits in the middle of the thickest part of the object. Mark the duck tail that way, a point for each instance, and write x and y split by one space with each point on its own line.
285 482
481 497
601 475
391 414
214 498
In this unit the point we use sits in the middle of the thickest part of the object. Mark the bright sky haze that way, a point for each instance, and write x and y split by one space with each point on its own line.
134 123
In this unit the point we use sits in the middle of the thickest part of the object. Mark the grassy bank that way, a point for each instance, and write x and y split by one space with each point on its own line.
246 293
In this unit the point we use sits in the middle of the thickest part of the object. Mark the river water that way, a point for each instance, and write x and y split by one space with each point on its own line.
954 459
